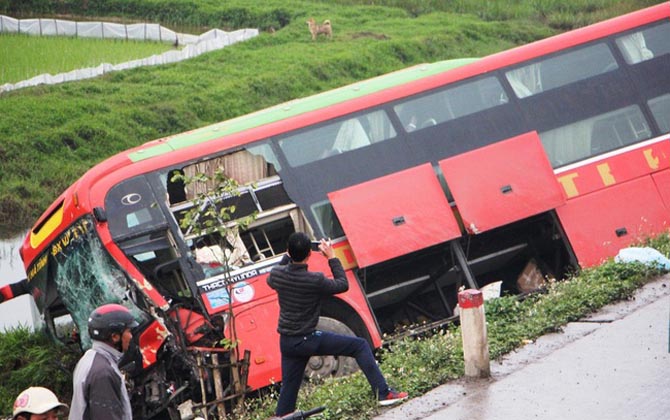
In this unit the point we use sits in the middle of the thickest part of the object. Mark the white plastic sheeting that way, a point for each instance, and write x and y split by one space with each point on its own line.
58 27
645 255
195 45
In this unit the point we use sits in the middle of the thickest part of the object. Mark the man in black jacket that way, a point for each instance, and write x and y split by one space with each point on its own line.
300 292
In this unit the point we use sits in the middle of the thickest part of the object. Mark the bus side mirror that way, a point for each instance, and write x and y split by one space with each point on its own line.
100 214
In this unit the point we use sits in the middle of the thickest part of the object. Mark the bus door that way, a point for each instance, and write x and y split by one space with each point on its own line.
393 216
139 227
500 184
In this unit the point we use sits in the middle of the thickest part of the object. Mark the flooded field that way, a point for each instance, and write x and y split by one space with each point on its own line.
22 310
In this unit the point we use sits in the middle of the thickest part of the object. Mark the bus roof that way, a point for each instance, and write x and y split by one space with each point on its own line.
297 107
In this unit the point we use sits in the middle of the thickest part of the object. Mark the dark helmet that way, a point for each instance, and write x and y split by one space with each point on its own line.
108 319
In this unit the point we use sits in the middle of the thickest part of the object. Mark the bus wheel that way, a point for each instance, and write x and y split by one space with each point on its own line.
324 366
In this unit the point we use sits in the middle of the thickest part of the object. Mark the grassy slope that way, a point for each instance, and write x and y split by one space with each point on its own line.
51 135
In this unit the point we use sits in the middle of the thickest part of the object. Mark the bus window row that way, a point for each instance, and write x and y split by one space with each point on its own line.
603 130
583 102
454 102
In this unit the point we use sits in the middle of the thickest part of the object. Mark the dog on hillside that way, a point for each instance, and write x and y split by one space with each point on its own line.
316 29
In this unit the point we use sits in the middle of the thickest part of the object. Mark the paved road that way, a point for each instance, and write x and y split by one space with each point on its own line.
613 365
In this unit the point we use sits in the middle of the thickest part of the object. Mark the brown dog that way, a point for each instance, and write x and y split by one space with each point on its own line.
316 29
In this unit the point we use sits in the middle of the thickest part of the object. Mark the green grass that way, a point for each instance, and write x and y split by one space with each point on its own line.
25 56
33 359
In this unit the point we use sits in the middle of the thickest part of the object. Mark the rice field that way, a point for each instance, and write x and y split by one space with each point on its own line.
25 56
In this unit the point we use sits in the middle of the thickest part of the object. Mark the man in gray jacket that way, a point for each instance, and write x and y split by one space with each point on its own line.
300 292
99 391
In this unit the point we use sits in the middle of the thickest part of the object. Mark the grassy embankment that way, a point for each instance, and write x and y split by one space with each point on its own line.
25 56
53 134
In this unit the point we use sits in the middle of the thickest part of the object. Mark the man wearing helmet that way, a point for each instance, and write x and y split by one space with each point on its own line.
99 391
37 403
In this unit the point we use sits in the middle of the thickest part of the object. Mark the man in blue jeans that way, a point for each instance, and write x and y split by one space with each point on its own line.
300 292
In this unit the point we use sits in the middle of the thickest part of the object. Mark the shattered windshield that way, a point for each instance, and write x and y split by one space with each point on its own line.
83 274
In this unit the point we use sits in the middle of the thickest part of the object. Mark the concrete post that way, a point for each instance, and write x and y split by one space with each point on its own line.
473 332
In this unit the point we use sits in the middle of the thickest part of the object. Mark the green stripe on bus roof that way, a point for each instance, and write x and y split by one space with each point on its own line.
297 107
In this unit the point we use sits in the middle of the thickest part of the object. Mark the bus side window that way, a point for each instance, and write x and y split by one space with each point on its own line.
176 189
561 70
378 126
242 166
449 104
645 45
337 138
423 112
327 219
593 136
660 108
350 136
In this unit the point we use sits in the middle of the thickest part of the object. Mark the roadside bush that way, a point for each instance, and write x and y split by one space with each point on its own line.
30 359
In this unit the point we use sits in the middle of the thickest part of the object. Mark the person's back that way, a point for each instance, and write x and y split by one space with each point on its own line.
98 384
300 292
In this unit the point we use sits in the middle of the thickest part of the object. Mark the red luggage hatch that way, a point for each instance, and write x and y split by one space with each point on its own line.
501 183
394 215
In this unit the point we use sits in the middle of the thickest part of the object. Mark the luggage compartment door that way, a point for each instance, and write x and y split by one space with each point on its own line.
599 224
395 215
502 183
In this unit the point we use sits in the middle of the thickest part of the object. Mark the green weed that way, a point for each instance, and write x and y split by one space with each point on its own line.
28 359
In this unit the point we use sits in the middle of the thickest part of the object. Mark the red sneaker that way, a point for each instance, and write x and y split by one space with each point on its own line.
393 397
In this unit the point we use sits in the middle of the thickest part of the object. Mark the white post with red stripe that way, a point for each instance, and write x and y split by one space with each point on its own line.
473 332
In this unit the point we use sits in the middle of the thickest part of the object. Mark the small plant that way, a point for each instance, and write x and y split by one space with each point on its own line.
210 217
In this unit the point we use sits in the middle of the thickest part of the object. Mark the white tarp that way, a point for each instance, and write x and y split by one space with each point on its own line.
195 45
58 27
645 255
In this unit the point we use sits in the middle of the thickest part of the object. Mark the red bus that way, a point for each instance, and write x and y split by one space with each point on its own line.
456 173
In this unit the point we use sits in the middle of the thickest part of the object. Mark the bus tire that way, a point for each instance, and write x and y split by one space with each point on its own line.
325 366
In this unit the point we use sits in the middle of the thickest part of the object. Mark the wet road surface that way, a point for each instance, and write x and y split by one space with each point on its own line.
613 365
